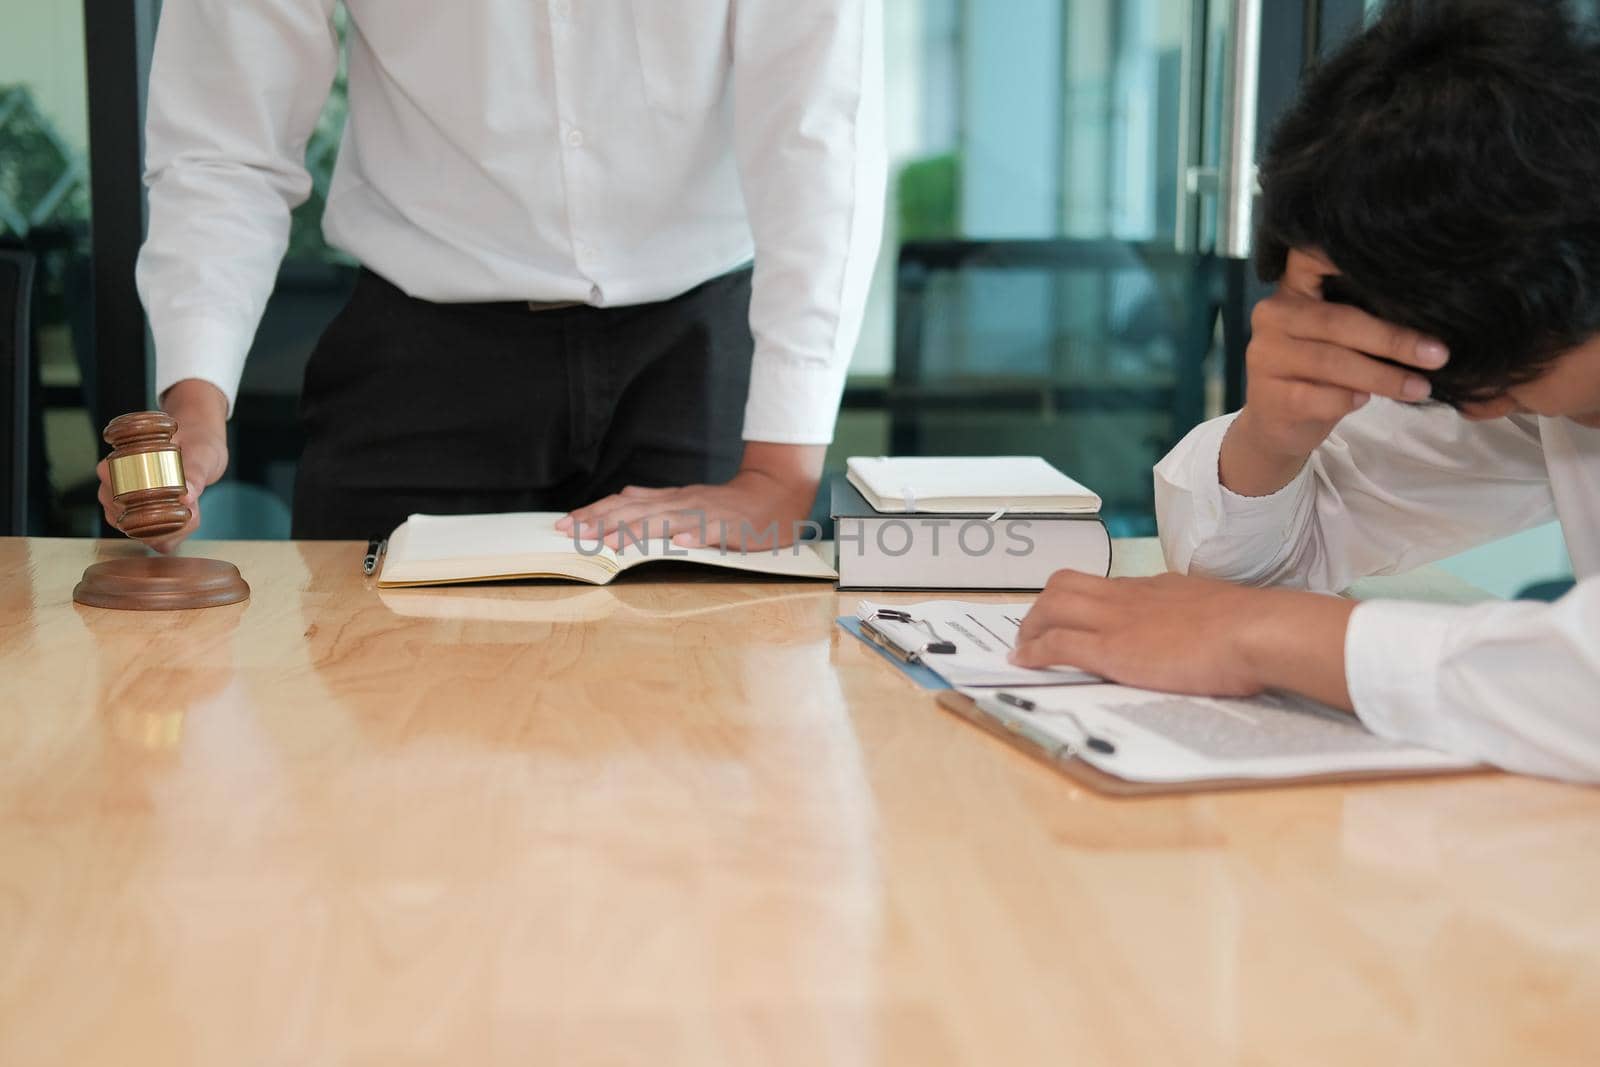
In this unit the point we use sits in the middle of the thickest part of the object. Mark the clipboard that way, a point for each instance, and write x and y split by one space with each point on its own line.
1088 775
922 675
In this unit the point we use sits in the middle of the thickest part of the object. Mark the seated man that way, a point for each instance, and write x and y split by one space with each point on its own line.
1426 378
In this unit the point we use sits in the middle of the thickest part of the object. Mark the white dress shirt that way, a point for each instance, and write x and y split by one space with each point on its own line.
610 152
1516 684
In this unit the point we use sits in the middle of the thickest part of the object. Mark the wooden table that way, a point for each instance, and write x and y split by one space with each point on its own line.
689 821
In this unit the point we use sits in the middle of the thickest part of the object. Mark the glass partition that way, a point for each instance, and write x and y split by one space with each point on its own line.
1039 289
44 211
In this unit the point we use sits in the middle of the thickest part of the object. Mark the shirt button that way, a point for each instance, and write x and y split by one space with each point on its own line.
562 9
575 138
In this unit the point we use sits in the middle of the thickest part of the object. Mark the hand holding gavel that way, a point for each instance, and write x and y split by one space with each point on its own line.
201 438
144 495
145 476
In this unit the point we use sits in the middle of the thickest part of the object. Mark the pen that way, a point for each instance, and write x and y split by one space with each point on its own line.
1016 701
375 548
1090 741
938 646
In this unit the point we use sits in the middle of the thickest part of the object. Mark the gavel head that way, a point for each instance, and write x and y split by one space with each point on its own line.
146 474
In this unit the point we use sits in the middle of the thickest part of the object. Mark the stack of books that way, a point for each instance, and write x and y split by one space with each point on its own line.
963 523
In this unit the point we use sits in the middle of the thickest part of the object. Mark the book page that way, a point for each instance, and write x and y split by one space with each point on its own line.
520 533
440 549
1162 737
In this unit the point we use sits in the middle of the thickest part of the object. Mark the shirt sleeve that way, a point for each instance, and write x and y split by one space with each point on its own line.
1393 488
1513 684
235 91
1206 529
808 115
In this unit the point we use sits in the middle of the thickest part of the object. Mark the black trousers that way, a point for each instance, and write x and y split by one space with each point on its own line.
411 406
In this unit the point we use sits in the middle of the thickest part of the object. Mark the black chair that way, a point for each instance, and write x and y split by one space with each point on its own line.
16 297
1090 353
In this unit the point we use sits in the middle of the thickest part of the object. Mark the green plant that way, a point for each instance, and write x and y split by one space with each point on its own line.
322 150
930 197
42 179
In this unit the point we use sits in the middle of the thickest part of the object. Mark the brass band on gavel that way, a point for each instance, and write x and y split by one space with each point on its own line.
146 470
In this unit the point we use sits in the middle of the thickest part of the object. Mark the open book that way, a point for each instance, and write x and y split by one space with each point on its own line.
442 549
574 604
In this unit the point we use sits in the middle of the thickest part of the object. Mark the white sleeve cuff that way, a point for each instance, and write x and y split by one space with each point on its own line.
212 350
1393 650
1207 528
792 402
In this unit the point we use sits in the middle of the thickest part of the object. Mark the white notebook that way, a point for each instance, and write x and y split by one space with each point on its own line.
440 549
968 485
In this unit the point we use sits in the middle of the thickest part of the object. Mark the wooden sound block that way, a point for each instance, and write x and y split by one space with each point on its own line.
161 583
145 470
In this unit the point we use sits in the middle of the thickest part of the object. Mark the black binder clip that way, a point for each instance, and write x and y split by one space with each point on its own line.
938 646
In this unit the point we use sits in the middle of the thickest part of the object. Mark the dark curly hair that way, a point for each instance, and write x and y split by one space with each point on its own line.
1447 161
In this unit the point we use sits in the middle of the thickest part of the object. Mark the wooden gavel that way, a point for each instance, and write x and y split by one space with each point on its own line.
147 483
146 474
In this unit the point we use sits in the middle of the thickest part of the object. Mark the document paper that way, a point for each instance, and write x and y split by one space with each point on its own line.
983 635
1159 737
